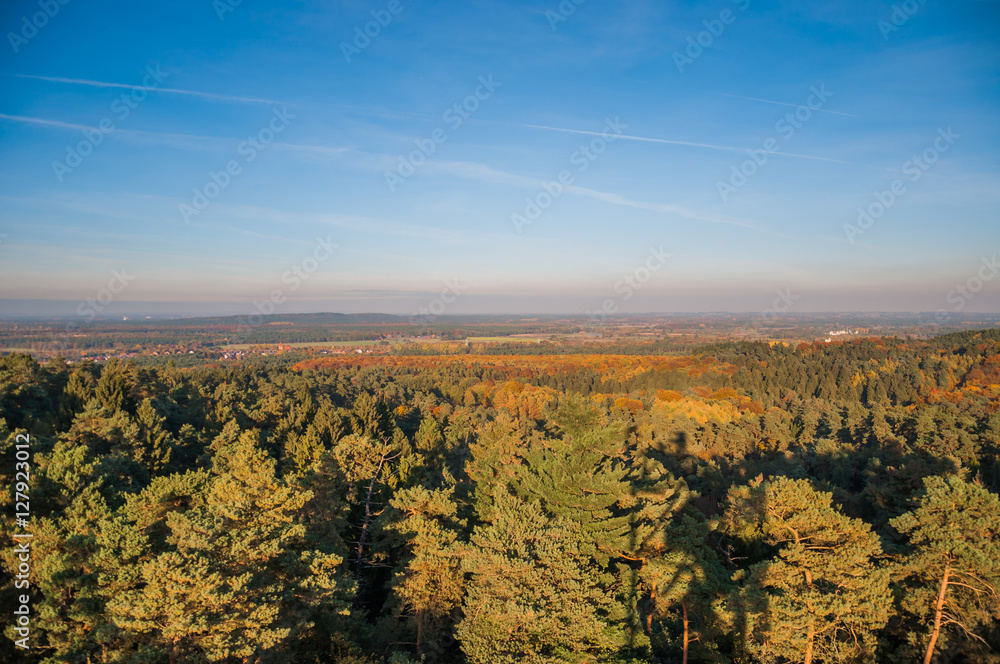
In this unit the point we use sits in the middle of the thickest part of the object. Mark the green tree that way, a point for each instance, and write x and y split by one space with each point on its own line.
677 566
113 388
953 571
581 477
155 443
68 504
218 566
430 583
823 598
533 597
371 417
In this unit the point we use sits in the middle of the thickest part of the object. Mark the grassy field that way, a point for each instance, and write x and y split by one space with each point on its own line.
500 339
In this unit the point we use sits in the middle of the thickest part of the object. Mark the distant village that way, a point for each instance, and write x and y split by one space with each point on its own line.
231 354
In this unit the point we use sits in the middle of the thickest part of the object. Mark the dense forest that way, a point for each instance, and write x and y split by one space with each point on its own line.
749 502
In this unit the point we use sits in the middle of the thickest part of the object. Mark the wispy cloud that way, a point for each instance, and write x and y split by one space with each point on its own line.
709 146
628 137
189 141
176 91
484 173
44 122
358 223
783 103
319 150
663 208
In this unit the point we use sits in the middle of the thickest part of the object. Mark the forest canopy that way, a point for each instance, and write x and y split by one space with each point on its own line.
750 502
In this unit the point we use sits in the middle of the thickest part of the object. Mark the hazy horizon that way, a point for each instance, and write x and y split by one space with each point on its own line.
68 310
500 157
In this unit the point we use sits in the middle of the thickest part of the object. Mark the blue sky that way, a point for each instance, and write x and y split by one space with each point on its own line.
327 131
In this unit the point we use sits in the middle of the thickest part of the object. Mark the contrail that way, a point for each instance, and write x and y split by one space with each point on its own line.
176 91
782 103
724 148
174 139
49 123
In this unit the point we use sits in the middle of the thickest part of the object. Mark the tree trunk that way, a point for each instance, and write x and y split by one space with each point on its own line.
810 637
938 610
811 630
368 514
420 632
651 610
359 568
684 609
170 652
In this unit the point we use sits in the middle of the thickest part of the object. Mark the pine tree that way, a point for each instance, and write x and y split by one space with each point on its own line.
225 569
677 566
113 388
581 477
155 443
371 417
823 598
365 464
68 605
307 448
953 571
497 456
533 597
430 583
